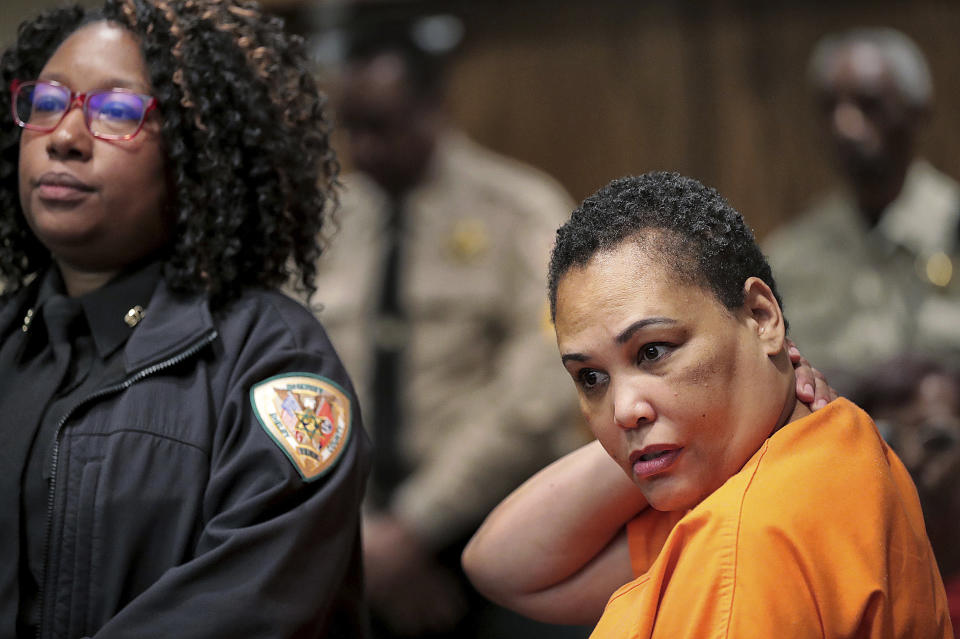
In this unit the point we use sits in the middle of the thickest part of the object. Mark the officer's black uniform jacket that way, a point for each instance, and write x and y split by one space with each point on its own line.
173 514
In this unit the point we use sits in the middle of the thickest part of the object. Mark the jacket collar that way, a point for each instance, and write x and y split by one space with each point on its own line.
172 324
107 309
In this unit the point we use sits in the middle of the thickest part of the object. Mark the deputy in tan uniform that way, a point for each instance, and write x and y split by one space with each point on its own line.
437 276
871 270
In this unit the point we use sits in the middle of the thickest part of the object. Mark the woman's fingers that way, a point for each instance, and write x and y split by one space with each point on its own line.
806 376
812 387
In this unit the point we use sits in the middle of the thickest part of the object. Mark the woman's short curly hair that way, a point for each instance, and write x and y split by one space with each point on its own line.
246 137
687 225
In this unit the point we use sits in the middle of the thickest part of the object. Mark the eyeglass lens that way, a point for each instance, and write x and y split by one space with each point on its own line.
110 113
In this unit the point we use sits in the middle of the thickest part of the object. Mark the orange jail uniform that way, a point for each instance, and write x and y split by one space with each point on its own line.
820 534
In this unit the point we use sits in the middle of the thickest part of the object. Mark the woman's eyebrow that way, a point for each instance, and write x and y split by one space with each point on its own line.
628 332
575 357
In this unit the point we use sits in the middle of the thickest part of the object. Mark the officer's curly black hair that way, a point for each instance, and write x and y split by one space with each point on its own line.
700 236
245 135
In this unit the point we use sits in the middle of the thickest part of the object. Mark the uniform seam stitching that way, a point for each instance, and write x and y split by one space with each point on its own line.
627 588
736 543
291 335
146 432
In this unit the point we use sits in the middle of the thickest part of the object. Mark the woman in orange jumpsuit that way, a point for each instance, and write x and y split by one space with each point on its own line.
736 510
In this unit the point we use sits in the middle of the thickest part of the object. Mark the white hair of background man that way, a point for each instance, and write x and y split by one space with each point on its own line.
903 57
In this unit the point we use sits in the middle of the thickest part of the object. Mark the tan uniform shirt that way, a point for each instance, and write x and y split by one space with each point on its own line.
486 400
856 296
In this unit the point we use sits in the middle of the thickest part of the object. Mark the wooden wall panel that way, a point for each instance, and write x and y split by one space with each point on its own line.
590 91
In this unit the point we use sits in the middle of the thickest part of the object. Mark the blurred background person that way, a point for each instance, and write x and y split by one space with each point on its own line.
433 291
868 271
916 405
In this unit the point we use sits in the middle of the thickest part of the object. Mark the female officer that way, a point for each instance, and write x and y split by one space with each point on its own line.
739 512
182 450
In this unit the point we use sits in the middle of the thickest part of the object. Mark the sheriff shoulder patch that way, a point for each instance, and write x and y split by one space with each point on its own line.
307 416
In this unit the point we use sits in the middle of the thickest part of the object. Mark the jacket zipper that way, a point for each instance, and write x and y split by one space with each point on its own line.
116 388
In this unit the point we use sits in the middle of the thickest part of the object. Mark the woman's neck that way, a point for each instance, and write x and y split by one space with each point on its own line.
799 410
80 282
793 408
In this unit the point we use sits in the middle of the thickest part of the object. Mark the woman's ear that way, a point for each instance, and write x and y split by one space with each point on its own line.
763 315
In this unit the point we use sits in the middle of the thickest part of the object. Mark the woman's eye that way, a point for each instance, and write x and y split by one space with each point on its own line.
590 378
48 104
651 352
118 111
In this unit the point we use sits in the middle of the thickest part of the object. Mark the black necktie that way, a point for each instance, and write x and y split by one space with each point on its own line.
389 341
60 315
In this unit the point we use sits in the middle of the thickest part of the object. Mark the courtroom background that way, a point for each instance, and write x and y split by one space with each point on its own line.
590 90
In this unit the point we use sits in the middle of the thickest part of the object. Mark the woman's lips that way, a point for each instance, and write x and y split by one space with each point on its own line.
653 460
57 193
62 187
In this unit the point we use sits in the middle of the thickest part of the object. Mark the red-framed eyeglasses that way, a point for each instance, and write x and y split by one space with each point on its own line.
114 114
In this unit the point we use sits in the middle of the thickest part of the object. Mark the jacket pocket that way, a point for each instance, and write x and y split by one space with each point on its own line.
86 546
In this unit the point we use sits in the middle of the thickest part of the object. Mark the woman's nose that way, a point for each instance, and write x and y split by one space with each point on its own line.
632 407
71 139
